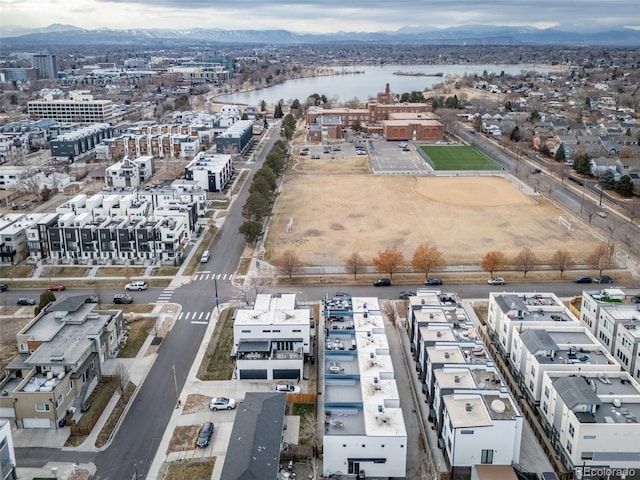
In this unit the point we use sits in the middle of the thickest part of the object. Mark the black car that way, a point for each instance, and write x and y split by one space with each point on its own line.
4 287
122 298
26 301
382 282
584 280
433 281
91 299
604 279
205 434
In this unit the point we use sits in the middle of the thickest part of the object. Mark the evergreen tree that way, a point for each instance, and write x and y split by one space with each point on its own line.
624 186
560 154
607 180
278 111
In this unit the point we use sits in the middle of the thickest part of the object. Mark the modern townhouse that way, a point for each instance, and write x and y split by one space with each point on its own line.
130 172
592 420
567 348
613 317
13 237
364 429
236 139
7 452
79 142
272 339
508 311
59 362
211 172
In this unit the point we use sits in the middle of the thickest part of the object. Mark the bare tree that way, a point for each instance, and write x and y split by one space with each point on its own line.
628 237
494 260
426 258
561 260
354 264
589 211
251 289
389 260
28 181
121 375
390 311
525 260
289 262
601 257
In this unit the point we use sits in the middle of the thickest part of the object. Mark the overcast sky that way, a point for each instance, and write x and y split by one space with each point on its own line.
321 16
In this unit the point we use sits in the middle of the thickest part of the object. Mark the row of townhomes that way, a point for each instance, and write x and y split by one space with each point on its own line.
117 225
364 429
59 362
584 397
476 418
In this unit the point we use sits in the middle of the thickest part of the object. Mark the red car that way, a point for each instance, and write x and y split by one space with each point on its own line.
58 287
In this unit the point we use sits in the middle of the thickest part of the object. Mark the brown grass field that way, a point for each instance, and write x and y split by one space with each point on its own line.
338 208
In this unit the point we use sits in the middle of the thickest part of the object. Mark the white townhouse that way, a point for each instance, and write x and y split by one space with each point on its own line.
481 428
129 172
592 419
569 348
364 429
508 311
211 172
271 340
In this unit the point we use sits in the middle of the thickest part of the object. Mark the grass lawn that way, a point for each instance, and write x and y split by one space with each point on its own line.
122 271
217 364
112 421
138 332
458 158
15 271
182 469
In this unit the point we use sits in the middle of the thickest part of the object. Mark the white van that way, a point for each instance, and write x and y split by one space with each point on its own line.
205 256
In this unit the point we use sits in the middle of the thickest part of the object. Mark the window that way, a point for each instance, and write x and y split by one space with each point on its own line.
486 457
246 331
466 432
70 387
43 407
546 392
297 330
545 409
589 437
571 430
266 331
586 455
569 446
533 371
59 400
531 385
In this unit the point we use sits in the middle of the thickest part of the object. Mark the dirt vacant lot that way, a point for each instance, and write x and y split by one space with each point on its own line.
338 209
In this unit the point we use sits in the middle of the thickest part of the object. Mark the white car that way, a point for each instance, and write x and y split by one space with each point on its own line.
287 388
222 403
136 286
496 281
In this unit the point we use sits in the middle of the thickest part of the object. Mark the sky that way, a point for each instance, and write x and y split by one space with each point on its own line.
320 16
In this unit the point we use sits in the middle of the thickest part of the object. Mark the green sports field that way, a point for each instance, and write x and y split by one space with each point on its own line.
457 158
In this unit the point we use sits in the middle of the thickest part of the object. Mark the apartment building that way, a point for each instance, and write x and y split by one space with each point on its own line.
364 429
613 316
13 238
201 73
508 311
236 139
59 362
211 172
130 172
272 339
45 65
80 107
592 420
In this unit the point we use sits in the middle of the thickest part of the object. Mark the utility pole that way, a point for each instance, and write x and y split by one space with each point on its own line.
215 283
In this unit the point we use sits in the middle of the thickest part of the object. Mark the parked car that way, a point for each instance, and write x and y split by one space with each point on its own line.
315 156
602 214
326 150
337 149
222 403
91 299
58 287
406 294
122 298
287 388
205 434
26 301
496 281
4 287
206 255
382 282
536 170
604 279
433 281
136 286
584 279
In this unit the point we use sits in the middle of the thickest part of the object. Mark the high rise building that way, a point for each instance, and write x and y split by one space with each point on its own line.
46 66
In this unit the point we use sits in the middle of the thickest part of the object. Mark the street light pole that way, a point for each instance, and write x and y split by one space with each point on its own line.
215 283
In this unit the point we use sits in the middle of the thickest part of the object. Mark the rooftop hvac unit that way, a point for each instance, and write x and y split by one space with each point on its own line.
446 355
438 333
376 379
468 407
456 379
380 409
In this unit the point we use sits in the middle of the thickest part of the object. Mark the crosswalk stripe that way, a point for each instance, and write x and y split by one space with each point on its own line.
201 314
199 323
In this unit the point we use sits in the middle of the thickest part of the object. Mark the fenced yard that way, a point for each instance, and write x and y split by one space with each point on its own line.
454 157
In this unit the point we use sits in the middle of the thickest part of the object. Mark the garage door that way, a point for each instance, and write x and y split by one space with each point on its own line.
282 374
253 374
36 423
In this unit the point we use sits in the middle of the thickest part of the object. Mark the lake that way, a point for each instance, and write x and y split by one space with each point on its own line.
366 85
